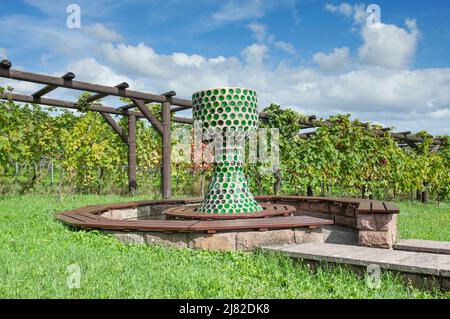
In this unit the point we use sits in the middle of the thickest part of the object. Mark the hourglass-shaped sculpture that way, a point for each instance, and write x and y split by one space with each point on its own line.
229 116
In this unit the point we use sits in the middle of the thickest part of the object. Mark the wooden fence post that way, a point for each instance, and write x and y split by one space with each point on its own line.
277 184
309 191
132 180
166 168
425 194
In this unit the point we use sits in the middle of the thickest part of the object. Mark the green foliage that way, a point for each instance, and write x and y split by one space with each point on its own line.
345 155
349 155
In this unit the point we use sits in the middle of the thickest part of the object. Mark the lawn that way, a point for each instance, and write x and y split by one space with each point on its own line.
36 250
424 221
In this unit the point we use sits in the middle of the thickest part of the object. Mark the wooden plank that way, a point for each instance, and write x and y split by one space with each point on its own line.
82 217
144 225
378 207
93 216
91 209
269 223
69 220
364 206
269 210
391 208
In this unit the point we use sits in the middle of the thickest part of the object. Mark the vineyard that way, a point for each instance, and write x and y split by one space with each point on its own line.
49 150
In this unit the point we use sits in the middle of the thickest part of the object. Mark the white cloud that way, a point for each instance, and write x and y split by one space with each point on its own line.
102 33
384 45
188 60
286 47
388 45
408 99
344 9
263 37
356 11
259 31
359 13
255 53
91 71
334 61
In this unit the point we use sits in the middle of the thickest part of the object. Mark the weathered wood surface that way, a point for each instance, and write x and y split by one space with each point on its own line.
269 210
90 218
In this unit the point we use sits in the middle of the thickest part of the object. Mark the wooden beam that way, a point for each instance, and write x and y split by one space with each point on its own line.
169 94
5 72
58 103
403 133
180 108
411 144
72 105
5 64
47 89
132 162
183 120
127 107
121 86
435 149
116 127
150 117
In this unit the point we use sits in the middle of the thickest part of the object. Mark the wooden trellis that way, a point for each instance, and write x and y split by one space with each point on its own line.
169 104
167 100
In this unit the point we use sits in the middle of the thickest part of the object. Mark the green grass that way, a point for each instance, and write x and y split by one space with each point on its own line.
424 221
36 250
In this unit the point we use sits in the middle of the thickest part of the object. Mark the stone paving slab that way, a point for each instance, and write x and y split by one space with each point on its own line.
396 260
426 246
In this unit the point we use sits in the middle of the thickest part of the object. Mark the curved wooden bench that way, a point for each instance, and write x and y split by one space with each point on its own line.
90 218
374 220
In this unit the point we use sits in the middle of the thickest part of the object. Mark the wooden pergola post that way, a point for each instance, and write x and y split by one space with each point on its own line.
132 164
166 168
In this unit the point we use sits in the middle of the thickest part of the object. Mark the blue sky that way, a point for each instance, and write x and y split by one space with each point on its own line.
319 57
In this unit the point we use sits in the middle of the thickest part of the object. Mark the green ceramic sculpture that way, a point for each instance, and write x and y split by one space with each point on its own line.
227 114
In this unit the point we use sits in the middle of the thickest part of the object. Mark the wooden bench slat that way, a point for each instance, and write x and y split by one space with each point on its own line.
364 206
269 223
378 207
391 207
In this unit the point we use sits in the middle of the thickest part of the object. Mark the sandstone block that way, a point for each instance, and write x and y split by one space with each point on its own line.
178 240
129 237
314 235
377 239
252 240
380 222
221 241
